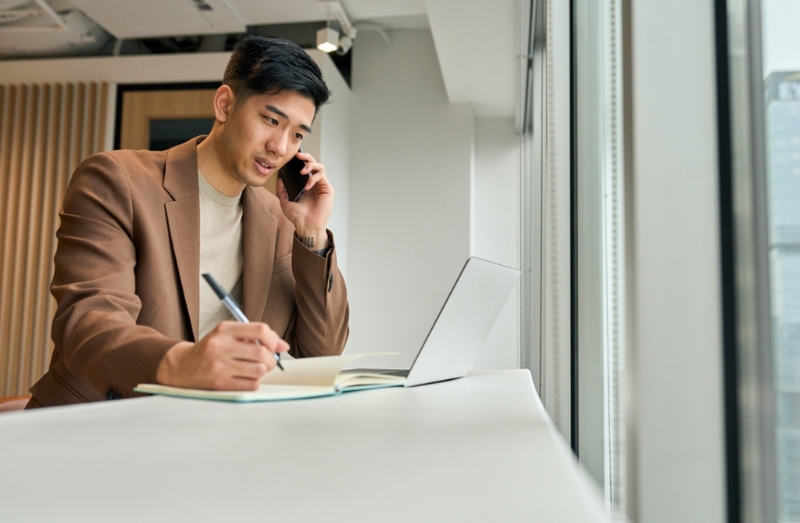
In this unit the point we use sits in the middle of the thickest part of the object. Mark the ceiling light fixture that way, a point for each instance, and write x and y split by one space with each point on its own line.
329 39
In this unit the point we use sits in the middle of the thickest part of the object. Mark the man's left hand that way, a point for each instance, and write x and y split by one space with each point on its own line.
310 214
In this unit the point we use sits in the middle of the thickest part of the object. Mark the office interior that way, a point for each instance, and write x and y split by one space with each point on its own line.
636 161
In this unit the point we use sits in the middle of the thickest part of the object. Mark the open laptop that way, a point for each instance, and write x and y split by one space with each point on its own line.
462 325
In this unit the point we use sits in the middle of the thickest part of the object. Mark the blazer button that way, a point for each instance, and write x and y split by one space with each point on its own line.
112 395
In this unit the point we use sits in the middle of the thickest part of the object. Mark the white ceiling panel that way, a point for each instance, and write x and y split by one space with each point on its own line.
370 9
154 18
476 43
257 12
401 22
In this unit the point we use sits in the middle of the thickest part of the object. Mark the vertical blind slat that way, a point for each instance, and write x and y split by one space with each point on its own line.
39 246
100 118
23 197
51 204
45 131
60 167
9 99
31 230
10 237
76 136
89 121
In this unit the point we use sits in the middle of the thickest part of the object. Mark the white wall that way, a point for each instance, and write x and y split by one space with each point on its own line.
331 141
494 26
411 159
330 131
495 227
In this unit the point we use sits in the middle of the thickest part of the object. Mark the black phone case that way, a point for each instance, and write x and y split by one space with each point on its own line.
294 182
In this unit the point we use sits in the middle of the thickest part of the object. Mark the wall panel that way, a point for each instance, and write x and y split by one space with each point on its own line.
45 131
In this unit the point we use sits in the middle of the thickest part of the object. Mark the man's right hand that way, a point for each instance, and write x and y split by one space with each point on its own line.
227 358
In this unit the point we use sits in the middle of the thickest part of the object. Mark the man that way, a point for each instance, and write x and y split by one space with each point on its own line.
138 228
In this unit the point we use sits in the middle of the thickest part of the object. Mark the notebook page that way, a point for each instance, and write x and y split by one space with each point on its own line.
319 372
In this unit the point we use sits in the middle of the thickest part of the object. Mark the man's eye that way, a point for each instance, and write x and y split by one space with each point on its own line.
299 136
273 121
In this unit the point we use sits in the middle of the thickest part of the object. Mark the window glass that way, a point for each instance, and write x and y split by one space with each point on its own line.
171 132
781 67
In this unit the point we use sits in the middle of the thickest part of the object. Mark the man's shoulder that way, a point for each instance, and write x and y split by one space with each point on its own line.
129 159
124 166
120 174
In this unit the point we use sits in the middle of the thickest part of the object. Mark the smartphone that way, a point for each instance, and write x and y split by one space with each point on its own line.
294 182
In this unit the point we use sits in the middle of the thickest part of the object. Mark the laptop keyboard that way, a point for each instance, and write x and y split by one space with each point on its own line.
403 373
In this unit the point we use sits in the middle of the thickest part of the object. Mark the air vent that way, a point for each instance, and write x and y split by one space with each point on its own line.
69 33
156 18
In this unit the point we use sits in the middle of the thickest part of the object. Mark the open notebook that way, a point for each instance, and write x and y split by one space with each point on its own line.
303 378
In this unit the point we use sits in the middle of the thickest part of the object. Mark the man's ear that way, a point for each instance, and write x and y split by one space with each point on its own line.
224 101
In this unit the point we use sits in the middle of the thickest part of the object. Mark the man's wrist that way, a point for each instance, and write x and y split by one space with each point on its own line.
313 240
165 371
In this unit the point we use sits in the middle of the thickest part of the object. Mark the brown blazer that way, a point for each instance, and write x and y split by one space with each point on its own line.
127 275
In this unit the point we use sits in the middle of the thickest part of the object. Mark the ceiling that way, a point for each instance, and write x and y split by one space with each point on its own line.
475 39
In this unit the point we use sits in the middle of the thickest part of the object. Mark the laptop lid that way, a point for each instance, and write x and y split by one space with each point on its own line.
464 322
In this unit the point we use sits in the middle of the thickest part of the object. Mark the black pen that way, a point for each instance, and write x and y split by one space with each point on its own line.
234 309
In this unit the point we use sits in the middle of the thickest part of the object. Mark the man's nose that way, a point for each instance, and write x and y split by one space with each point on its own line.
277 144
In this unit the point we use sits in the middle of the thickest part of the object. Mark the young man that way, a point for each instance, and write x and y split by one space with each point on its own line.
138 228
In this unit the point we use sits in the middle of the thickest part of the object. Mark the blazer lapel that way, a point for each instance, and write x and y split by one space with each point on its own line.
259 233
183 219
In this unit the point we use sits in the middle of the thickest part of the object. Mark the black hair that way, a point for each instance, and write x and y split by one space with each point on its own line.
261 65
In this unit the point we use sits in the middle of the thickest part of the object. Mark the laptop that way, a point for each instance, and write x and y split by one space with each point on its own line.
462 325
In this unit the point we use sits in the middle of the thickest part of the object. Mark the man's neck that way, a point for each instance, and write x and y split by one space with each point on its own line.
212 167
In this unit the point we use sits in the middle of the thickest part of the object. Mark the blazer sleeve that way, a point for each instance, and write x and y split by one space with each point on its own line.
321 323
95 287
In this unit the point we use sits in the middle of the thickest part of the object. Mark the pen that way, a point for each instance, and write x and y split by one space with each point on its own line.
234 309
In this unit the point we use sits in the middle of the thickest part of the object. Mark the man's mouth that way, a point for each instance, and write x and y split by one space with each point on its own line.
264 166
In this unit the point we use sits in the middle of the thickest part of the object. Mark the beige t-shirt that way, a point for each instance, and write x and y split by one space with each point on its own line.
220 252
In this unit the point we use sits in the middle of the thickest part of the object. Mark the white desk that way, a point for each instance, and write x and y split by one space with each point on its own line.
476 449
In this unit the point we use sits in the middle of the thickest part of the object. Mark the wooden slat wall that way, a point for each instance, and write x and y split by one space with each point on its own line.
45 132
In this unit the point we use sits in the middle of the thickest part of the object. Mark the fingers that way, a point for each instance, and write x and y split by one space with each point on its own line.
233 356
248 369
315 169
234 361
306 157
244 334
312 166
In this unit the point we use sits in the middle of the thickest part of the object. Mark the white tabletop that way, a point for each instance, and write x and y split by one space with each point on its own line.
476 449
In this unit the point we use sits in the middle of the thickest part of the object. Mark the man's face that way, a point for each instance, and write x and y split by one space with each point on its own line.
262 132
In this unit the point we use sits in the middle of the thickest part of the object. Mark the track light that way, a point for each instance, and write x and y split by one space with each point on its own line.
327 39
346 42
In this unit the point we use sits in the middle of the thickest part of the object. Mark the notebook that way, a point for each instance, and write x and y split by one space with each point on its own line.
302 378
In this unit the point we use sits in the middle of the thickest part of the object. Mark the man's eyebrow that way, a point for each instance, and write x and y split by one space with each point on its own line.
284 115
